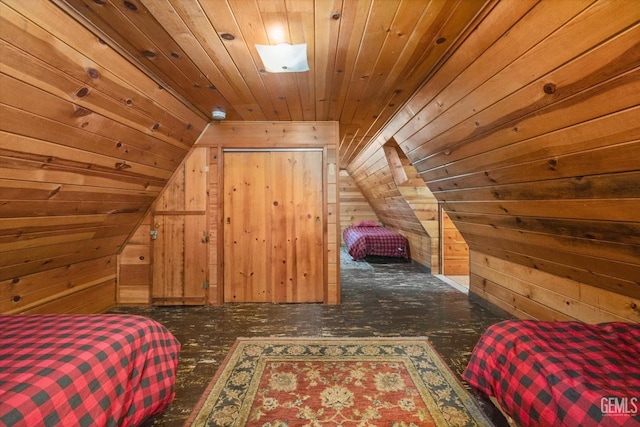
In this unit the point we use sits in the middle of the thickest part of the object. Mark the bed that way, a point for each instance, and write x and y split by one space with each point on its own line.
369 238
560 373
84 370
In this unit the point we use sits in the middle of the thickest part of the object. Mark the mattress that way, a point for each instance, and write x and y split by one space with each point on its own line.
375 240
84 370
560 373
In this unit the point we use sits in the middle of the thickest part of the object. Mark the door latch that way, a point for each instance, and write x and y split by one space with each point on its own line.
153 234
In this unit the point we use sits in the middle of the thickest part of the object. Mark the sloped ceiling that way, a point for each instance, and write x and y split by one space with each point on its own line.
520 115
102 99
366 57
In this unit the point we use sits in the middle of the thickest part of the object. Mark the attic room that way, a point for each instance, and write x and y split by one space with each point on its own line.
154 163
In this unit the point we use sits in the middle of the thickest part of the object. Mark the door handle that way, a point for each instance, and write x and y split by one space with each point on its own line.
228 220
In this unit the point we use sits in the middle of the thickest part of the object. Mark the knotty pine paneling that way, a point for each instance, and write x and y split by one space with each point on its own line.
175 199
331 187
214 213
524 124
354 207
134 267
61 290
375 180
366 57
96 299
455 251
283 135
87 141
181 250
535 294
528 135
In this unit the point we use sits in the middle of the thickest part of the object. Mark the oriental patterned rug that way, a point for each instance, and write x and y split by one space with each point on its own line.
347 382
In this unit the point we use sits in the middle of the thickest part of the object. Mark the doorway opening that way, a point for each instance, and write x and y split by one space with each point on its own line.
454 254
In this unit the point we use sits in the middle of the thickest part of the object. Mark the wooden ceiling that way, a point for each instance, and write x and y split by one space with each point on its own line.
366 57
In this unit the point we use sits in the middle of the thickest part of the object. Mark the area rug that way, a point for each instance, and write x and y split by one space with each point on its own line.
347 382
348 263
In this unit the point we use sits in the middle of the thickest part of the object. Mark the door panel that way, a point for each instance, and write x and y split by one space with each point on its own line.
181 248
167 268
297 212
179 260
246 227
196 248
273 226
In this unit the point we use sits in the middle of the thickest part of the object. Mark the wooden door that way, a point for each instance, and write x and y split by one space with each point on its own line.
273 226
297 226
246 227
181 244
179 259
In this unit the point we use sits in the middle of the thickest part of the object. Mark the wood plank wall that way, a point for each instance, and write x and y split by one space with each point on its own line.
134 267
455 251
375 180
535 294
529 134
249 135
185 192
354 207
83 287
228 134
87 141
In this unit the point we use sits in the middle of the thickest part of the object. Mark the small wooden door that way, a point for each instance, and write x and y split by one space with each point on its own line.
180 259
180 236
273 226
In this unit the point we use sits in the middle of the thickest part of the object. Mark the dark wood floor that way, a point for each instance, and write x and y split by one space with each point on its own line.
377 300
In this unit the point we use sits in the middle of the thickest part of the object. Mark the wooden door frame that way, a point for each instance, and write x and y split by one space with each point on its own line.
321 135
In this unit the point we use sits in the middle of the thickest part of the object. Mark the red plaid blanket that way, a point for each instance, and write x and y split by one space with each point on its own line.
379 241
561 373
95 370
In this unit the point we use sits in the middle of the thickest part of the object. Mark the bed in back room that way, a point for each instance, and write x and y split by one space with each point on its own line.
368 238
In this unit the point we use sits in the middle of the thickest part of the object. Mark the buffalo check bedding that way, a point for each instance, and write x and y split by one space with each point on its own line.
84 370
560 373
362 241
